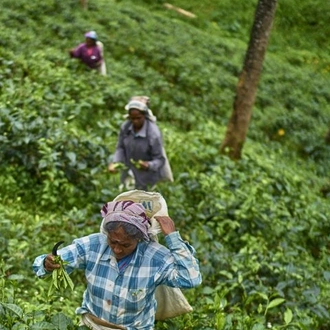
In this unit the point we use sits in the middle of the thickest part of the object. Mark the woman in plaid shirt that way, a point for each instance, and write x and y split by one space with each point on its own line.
124 267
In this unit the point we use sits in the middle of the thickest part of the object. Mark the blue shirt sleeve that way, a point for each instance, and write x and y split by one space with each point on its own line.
38 266
181 268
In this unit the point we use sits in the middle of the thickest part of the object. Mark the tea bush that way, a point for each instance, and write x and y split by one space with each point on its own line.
259 225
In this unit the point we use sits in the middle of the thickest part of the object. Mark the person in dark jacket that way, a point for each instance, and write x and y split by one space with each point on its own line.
139 146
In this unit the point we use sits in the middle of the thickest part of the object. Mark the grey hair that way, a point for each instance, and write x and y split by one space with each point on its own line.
128 228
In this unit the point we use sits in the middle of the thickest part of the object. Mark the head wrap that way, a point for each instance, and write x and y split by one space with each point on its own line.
129 212
141 103
136 104
91 35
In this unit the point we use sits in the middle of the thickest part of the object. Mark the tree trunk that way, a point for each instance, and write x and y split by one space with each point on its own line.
248 81
84 4
327 137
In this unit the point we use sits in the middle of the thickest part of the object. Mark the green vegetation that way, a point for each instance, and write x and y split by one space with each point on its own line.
60 279
260 226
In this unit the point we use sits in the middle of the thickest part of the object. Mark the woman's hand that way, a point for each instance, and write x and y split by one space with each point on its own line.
98 63
112 168
166 224
71 52
49 264
144 165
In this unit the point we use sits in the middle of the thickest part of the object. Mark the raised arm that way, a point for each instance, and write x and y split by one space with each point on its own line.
182 267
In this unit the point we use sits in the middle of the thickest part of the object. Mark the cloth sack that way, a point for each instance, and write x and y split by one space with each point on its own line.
166 171
170 301
102 69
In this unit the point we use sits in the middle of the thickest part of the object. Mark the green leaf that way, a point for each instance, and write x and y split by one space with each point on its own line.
275 303
288 316
326 275
51 289
61 321
258 326
208 290
255 296
54 278
14 308
226 274
68 280
72 156
19 326
43 326
16 277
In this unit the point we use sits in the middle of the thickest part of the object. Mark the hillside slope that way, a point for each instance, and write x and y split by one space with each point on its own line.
260 226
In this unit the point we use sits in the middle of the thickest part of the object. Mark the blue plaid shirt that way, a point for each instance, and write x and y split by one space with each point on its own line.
127 298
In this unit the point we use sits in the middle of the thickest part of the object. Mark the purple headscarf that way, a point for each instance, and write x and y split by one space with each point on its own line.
129 212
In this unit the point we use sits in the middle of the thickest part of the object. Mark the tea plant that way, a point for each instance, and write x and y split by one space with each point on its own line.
260 226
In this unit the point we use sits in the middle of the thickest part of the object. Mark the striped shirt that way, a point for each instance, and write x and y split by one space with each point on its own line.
127 297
